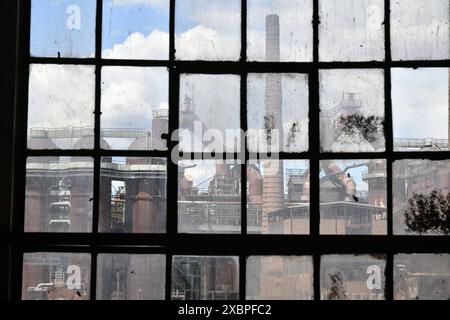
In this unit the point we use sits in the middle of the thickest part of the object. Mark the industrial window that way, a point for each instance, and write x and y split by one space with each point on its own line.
232 150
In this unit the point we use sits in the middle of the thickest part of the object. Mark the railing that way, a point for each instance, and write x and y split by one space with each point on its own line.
420 142
80 132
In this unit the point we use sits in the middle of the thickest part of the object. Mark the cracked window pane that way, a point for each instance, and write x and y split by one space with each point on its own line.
278 196
209 196
130 277
279 278
62 28
135 108
61 107
420 120
56 276
282 25
351 30
353 197
277 112
420 29
135 29
133 195
352 110
58 194
209 118
208 29
422 277
205 278
352 277
420 190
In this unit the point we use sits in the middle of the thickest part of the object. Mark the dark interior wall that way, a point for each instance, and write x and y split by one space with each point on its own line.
8 14
8 23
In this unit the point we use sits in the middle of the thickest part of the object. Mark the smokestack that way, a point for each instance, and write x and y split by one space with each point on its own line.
272 37
273 183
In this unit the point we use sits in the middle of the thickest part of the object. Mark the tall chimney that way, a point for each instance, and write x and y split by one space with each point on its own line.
273 183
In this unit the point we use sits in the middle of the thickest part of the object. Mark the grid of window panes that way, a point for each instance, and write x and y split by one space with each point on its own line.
345 152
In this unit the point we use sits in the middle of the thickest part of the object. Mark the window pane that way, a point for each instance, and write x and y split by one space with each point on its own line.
130 277
135 29
277 107
422 277
61 107
209 113
209 196
56 276
420 120
205 278
420 190
58 194
352 110
352 277
420 29
133 195
353 197
62 28
208 29
278 196
283 25
279 278
351 30
134 106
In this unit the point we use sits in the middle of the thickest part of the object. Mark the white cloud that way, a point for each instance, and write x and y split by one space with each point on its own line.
150 3
137 46
61 96
420 103
420 29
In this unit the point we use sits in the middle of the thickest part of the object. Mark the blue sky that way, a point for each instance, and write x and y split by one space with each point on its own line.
121 20
49 32
51 35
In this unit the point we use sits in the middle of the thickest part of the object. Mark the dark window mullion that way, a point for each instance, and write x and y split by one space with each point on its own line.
97 151
172 168
388 133
19 147
314 149
243 147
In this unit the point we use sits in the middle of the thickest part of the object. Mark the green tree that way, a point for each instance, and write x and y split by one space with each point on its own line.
428 213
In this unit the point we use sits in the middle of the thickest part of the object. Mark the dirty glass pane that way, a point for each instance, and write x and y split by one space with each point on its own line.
351 30
135 29
61 107
352 277
205 278
420 190
278 196
279 278
420 120
58 194
279 30
353 197
422 276
209 196
56 276
134 106
130 277
277 112
62 28
351 110
209 113
133 195
208 29
420 29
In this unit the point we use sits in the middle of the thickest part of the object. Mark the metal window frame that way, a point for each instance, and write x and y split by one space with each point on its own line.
240 245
